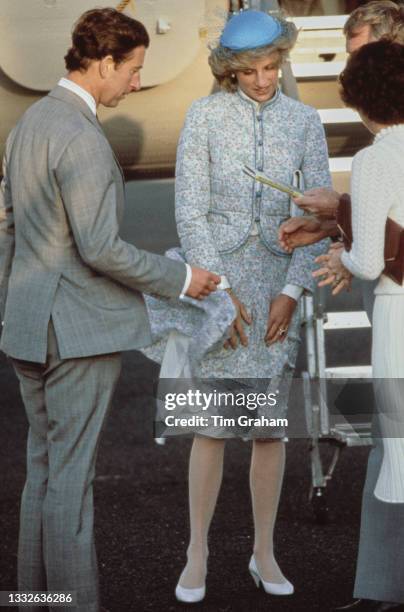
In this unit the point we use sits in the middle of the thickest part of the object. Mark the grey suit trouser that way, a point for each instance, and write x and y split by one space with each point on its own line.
66 402
380 565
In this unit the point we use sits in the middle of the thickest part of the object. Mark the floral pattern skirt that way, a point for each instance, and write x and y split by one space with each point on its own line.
256 276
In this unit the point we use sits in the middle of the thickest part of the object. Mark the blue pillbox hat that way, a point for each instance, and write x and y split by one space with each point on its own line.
250 29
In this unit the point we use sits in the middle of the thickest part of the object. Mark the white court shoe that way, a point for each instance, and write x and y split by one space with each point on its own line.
274 588
189 595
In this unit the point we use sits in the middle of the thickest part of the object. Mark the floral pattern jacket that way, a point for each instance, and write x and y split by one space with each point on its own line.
217 205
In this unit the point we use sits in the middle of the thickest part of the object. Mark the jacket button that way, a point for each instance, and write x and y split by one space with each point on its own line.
260 143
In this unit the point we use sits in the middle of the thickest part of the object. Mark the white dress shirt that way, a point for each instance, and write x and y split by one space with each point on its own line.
79 91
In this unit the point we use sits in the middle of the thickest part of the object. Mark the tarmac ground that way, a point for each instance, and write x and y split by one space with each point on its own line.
142 515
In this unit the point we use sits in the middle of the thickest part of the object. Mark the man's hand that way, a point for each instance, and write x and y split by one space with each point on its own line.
202 283
238 326
281 312
320 201
300 231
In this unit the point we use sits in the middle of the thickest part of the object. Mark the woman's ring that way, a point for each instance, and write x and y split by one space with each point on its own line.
282 330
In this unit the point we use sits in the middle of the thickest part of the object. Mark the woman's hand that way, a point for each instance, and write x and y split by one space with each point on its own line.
237 331
281 312
333 271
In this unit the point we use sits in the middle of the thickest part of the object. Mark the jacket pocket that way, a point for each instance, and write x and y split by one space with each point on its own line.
269 232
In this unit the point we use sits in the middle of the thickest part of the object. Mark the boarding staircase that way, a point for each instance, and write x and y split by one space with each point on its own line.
318 58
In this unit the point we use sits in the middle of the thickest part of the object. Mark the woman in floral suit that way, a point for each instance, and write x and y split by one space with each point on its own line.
227 223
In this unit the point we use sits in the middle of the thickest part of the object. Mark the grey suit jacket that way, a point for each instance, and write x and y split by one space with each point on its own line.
61 256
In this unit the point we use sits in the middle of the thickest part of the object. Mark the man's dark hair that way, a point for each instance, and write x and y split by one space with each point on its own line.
373 82
102 32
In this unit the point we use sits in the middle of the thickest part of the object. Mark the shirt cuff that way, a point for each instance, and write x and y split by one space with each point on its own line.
224 283
188 279
349 264
293 291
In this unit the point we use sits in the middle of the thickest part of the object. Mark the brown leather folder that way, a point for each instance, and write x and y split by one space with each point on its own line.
393 243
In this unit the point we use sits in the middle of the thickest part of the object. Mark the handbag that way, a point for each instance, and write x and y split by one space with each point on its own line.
393 241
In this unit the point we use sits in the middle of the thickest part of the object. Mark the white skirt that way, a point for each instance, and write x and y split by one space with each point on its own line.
388 372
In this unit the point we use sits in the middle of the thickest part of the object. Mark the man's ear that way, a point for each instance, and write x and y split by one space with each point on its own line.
106 66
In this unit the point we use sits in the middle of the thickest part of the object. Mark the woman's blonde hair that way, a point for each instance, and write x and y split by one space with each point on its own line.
225 62
385 18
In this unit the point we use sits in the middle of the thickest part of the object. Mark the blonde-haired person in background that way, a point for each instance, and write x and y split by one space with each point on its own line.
373 21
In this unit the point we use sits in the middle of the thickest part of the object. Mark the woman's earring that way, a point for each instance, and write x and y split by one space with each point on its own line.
233 76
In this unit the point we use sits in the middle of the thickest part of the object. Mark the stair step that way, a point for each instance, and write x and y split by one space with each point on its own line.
359 371
326 22
316 71
338 116
340 164
346 320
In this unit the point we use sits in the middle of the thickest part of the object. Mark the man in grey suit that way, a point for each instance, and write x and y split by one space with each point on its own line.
379 584
71 295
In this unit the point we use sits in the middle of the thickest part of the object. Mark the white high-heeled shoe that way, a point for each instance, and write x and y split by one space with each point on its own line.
274 588
189 595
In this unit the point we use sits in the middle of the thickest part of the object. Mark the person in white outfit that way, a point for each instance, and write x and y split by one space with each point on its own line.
381 543
372 83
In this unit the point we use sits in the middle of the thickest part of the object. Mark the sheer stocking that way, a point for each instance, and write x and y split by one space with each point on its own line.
205 478
266 475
